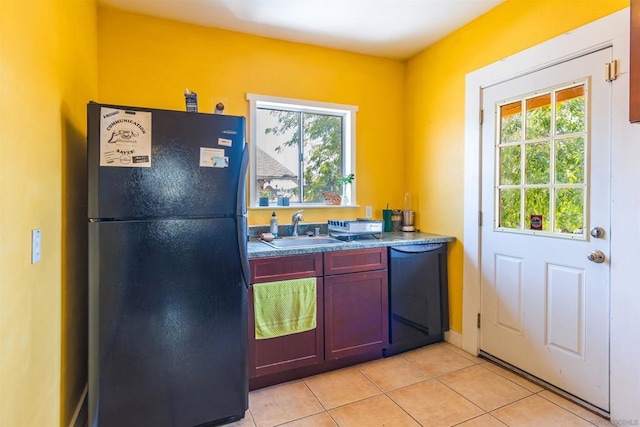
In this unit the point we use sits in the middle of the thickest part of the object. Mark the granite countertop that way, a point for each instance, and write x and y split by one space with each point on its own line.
258 249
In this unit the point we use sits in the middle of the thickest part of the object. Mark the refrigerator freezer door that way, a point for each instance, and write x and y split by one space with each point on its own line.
167 310
182 181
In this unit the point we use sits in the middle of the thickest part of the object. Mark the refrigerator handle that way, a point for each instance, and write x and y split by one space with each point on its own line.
241 203
241 208
244 254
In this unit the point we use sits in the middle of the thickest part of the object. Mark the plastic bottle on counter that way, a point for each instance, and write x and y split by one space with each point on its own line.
273 225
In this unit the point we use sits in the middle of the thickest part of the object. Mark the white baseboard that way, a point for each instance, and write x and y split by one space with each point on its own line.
453 337
79 418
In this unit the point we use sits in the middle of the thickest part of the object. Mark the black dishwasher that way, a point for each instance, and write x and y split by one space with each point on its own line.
418 296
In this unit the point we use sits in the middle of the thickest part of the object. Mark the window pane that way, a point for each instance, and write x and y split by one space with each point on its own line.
510 208
570 210
322 156
510 165
537 204
277 154
570 161
570 107
539 117
538 162
302 152
511 122
542 146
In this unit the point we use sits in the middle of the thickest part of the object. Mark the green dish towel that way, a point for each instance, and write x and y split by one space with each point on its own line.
284 308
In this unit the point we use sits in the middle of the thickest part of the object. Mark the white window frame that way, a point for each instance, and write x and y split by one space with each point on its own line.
553 185
348 112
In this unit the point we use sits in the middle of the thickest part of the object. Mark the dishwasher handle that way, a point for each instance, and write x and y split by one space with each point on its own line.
416 249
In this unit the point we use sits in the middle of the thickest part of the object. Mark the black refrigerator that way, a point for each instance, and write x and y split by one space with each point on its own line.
168 267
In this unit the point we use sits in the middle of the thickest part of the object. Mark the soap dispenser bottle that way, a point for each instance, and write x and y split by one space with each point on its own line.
273 225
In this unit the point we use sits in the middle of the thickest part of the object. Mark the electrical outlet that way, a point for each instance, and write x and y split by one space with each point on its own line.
368 212
35 245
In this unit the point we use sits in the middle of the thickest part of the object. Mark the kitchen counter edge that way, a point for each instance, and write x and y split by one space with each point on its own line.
258 249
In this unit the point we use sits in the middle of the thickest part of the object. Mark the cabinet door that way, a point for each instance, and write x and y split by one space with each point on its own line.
268 356
356 313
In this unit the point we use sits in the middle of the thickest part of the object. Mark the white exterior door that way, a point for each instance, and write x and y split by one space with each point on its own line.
545 186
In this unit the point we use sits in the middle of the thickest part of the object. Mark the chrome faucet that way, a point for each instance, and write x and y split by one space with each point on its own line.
295 219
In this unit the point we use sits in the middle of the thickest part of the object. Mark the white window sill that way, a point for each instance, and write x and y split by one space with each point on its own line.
302 206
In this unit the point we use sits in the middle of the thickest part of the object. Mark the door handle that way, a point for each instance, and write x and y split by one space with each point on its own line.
596 256
597 232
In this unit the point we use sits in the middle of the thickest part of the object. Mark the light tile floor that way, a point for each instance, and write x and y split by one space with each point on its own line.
437 385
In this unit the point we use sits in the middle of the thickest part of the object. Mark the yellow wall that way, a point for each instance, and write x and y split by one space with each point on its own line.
434 87
48 71
149 62
410 137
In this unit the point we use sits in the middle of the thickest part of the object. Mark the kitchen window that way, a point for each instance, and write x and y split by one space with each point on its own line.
301 152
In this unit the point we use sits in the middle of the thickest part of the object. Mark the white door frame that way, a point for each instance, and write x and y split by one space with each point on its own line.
612 30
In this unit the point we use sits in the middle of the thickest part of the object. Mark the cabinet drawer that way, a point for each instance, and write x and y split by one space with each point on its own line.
285 268
353 261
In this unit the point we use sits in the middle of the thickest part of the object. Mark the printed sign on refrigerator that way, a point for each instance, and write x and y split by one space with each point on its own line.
213 158
125 138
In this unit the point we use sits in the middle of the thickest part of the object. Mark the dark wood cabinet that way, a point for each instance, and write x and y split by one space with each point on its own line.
634 73
356 313
273 355
356 302
352 315
269 356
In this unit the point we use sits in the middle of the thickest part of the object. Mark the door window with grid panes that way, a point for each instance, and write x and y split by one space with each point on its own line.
541 152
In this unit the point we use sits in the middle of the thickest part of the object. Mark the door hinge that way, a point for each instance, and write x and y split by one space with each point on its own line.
479 218
481 116
478 320
611 71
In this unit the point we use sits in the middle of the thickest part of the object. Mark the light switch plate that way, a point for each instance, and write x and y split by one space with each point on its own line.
368 212
35 245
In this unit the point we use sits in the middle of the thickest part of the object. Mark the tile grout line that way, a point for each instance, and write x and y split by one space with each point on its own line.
464 397
481 415
541 391
318 399
436 378
326 410
571 412
400 406
473 403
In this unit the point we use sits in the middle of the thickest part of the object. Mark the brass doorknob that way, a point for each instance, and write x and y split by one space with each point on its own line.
596 256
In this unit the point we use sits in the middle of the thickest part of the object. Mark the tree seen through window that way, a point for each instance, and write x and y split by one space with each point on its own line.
541 152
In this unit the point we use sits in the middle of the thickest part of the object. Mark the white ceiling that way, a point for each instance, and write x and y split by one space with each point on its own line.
390 28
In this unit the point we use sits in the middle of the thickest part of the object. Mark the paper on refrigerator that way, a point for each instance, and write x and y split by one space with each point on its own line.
125 138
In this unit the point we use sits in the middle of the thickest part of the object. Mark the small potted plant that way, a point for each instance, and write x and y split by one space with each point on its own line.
283 201
264 198
344 181
331 198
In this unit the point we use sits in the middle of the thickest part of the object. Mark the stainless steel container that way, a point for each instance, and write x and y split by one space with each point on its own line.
408 219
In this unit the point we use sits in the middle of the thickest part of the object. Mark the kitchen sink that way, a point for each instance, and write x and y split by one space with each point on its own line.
302 242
